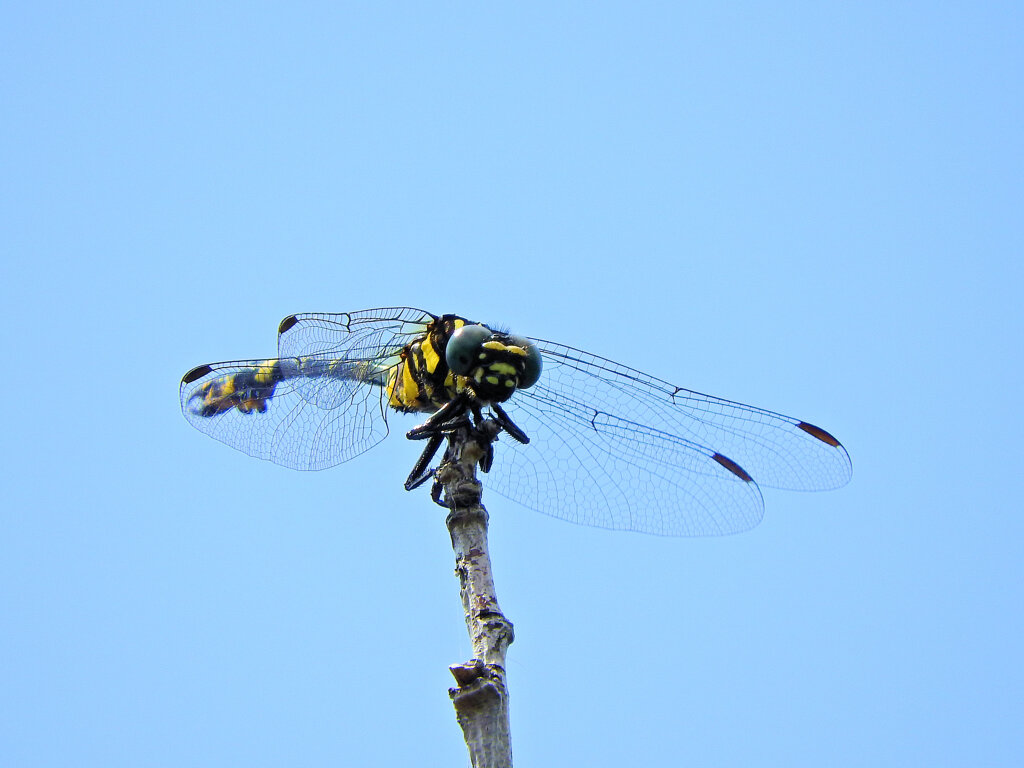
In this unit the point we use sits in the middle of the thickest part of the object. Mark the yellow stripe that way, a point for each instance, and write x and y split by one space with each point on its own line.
430 355
264 373
409 388
499 347
393 387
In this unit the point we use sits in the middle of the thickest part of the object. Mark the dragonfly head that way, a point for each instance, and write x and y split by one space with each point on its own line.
496 364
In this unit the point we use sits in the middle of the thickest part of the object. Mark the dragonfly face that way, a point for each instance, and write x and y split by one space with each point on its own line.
495 363
609 445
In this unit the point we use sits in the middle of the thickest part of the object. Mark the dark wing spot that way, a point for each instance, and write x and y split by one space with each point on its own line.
819 433
196 373
286 324
733 467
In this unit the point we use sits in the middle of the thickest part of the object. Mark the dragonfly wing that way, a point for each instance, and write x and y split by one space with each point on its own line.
777 451
363 335
604 471
299 420
320 403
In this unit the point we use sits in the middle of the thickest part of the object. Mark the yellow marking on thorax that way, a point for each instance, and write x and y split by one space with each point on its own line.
410 389
393 386
431 358
402 388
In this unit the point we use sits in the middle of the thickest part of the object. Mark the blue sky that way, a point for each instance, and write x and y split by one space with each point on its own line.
811 208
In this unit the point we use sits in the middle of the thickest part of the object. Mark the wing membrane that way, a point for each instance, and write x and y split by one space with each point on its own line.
320 403
609 472
778 451
613 447
361 335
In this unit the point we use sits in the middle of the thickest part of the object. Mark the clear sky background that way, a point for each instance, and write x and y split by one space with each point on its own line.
810 207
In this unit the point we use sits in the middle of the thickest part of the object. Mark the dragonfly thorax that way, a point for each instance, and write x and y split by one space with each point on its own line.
454 357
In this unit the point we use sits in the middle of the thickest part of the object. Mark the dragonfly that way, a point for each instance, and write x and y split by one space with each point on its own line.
592 441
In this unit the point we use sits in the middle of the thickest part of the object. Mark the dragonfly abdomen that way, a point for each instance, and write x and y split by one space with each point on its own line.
248 390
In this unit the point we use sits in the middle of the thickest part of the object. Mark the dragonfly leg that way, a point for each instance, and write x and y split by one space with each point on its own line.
445 419
420 471
488 457
436 491
508 425
444 422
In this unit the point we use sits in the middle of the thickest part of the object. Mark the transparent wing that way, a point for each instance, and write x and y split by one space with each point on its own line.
615 448
617 474
359 334
320 403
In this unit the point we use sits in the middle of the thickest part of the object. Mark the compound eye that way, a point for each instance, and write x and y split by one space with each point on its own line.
464 348
531 370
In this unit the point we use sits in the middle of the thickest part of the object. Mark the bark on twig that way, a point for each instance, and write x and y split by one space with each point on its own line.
481 698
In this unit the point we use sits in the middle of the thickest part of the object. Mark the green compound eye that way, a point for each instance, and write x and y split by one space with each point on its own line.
531 371
464 347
